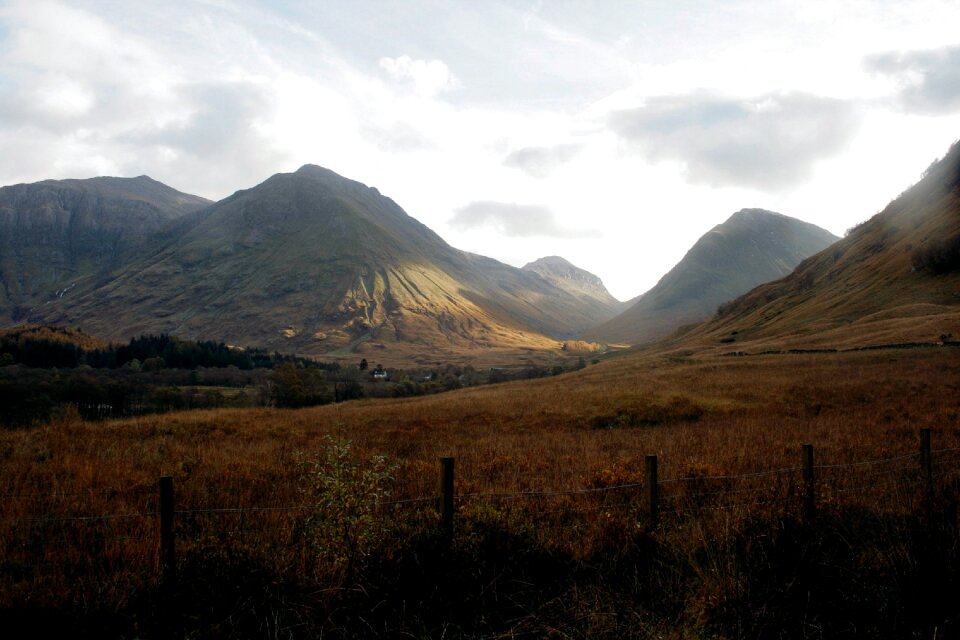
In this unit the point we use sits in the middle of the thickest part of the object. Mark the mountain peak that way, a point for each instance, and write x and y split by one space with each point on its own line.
565 275
316 170
753 246
330 177
754 213
557 267
549 261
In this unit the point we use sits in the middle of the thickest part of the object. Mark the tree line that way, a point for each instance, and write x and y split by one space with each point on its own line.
45 370
57 347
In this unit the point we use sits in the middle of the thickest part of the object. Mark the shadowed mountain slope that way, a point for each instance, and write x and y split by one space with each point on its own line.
895 278
56 233
751 247
315 263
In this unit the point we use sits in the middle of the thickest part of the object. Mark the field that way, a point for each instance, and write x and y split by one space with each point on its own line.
322 521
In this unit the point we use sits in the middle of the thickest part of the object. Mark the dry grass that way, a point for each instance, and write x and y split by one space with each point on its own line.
703 416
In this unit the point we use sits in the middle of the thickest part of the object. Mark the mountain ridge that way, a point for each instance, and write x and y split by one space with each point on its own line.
317 263
56 233
752 246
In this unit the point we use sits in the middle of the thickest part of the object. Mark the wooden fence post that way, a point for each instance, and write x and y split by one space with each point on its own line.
653 491
446 496
926 465
809 478
168 557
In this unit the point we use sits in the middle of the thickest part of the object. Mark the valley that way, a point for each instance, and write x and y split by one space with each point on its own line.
323 520
501 320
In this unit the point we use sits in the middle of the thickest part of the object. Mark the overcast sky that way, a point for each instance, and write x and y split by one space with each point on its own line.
611 133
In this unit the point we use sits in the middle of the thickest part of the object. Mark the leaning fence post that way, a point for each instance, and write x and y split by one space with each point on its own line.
926 464
446 496
653 492
168 558
809 478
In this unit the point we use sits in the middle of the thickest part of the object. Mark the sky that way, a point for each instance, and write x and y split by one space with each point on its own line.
612 133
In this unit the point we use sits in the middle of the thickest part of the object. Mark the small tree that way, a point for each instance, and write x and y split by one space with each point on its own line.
345 493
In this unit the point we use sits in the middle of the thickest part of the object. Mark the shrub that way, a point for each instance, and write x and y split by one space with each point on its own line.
345 495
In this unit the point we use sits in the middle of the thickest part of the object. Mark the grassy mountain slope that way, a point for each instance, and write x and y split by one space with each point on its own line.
57 233
751 247
894 278
316 263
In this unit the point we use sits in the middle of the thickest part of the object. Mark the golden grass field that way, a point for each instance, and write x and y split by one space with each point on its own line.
707 418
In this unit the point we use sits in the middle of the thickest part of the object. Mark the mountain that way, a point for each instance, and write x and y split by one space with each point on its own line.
751 247
56 233
578 282
893 279
316 263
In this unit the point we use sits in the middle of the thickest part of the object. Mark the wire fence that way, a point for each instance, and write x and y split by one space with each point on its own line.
833 478
897 483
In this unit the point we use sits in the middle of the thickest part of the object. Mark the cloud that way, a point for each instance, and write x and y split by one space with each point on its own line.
224 128
515 220
398 137
540 162
930 80
81 96
769 142
427 77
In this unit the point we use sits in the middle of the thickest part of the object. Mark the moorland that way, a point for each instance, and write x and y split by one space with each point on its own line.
550 531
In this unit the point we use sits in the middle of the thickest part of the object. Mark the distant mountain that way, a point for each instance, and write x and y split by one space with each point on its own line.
315 263
56 233
751 247
893 279
576 281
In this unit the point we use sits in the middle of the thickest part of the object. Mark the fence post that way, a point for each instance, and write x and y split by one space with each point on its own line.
168 558
446 496
926 464
809 478
653 491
